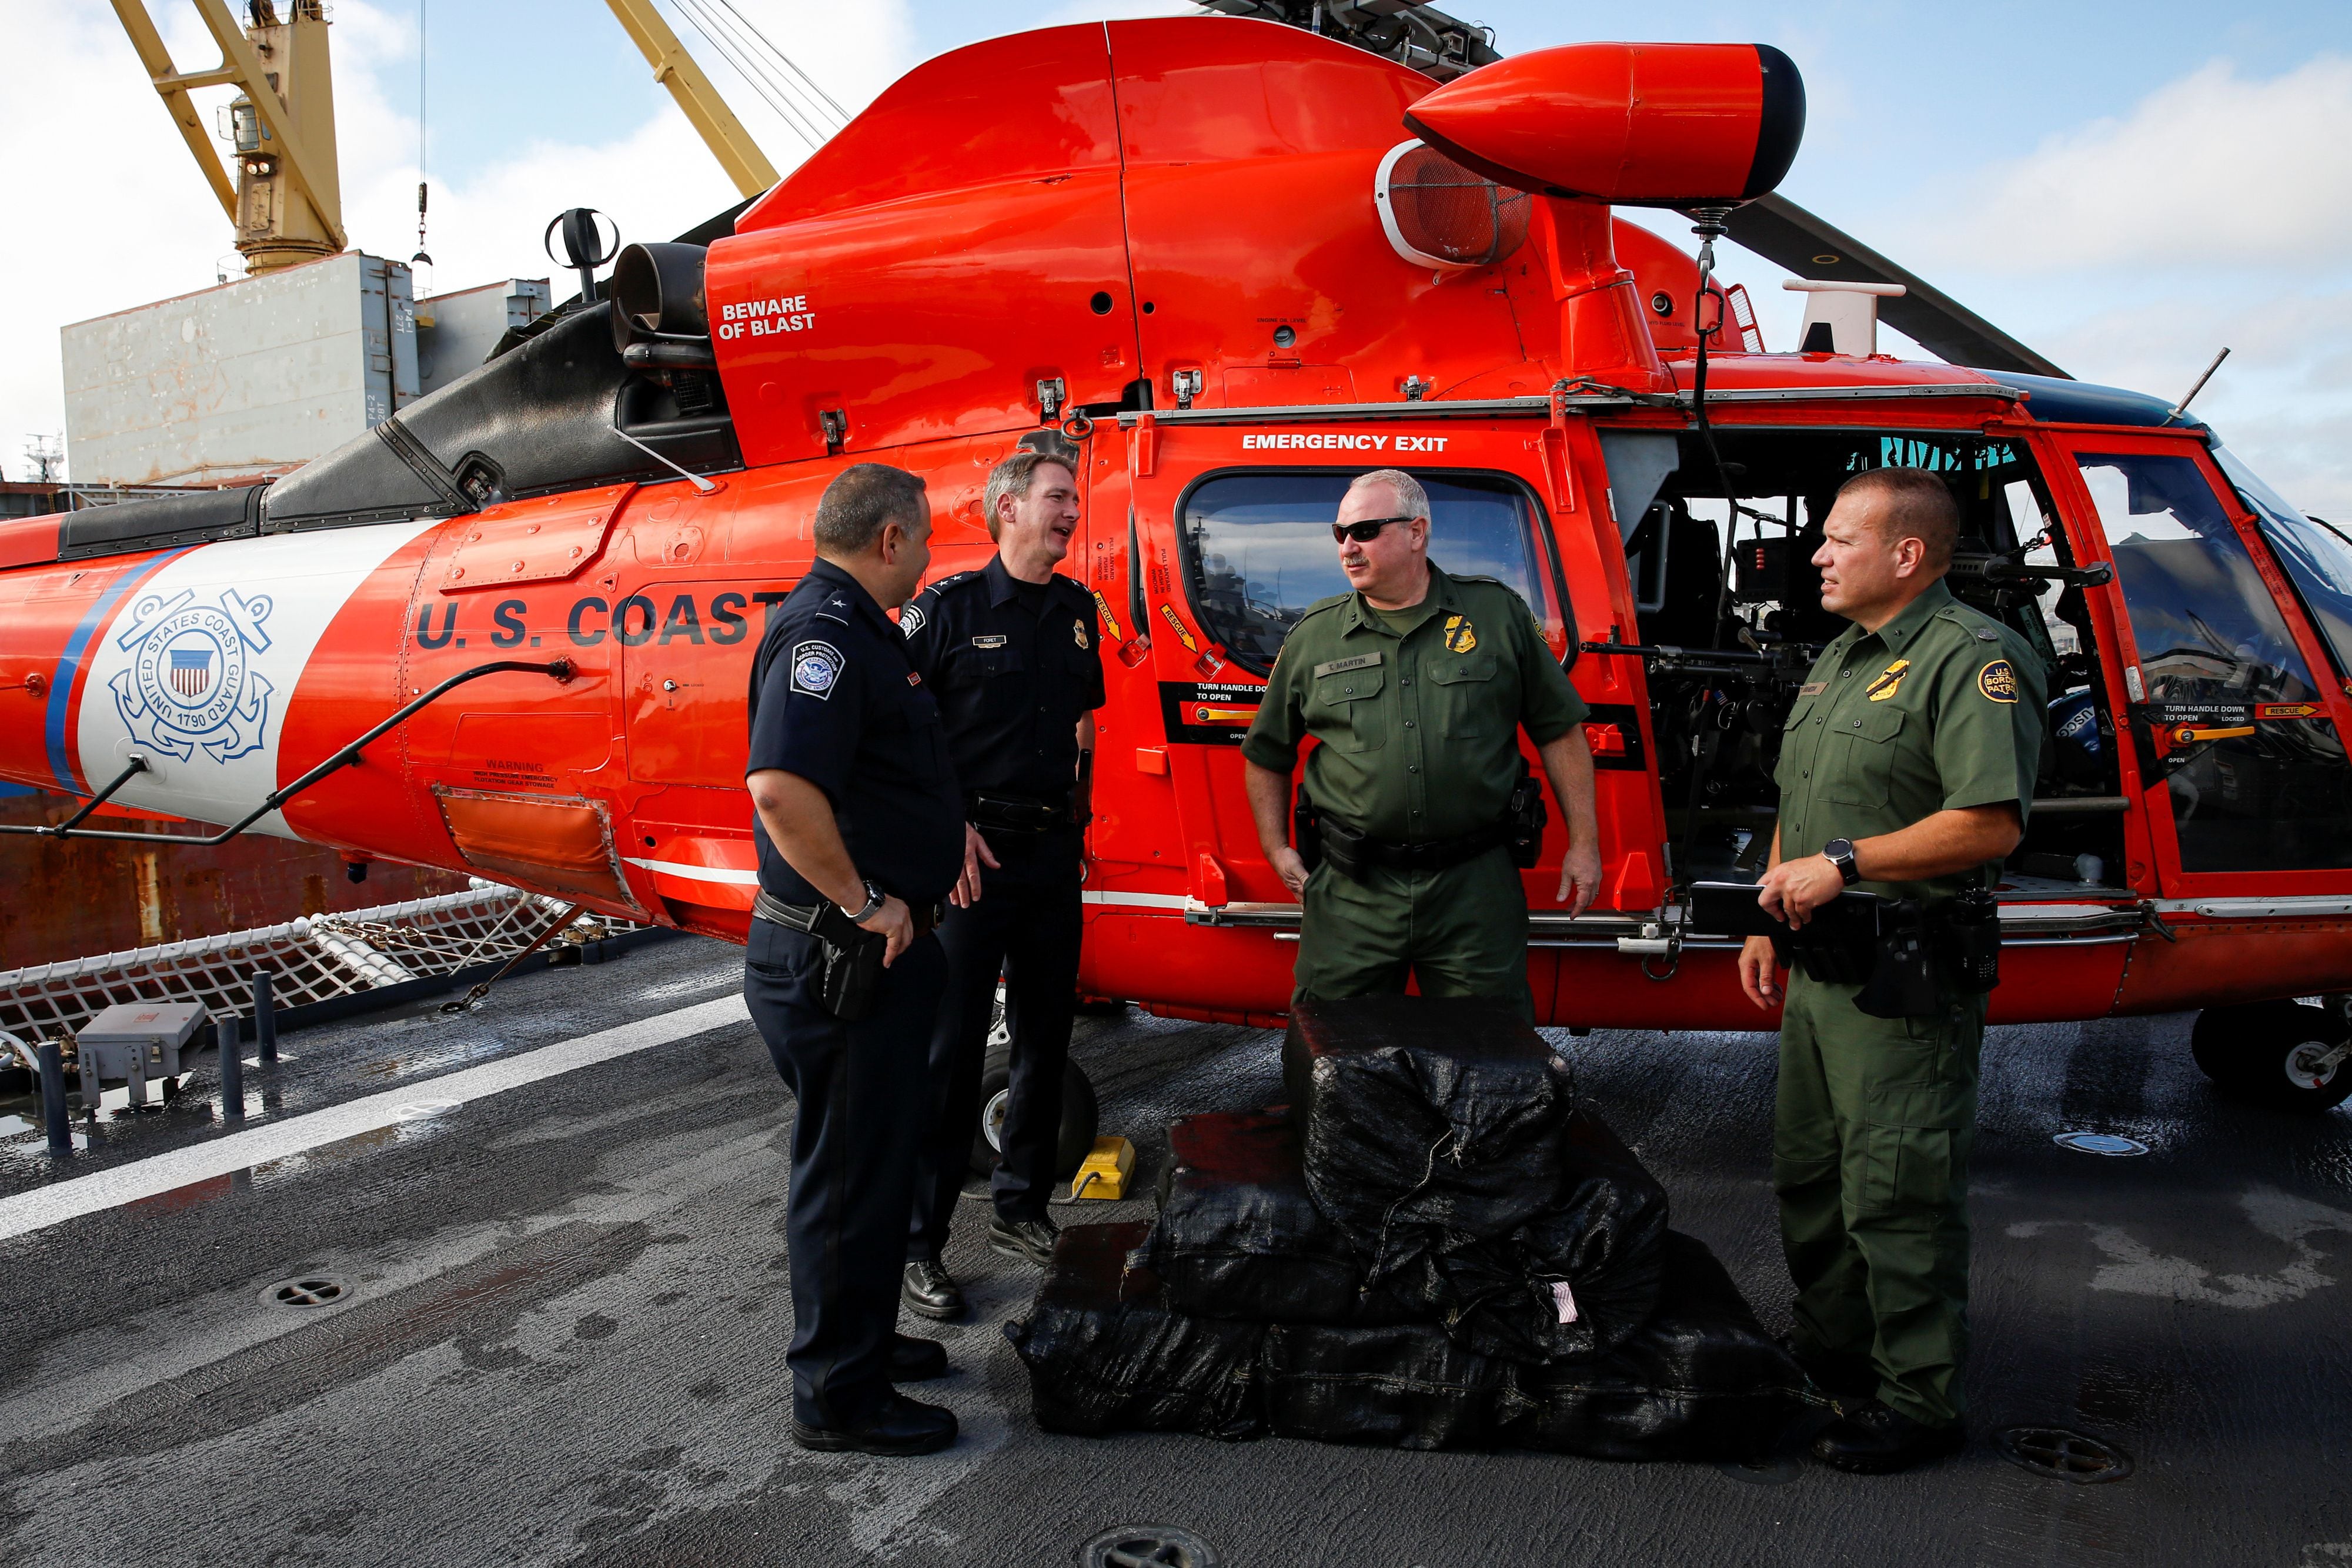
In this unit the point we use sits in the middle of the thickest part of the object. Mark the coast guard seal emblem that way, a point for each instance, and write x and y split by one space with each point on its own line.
191 685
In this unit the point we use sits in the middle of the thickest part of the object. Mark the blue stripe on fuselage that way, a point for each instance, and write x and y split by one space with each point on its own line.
61 686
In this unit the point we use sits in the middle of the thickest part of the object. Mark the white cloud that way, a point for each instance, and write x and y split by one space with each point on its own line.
2212 169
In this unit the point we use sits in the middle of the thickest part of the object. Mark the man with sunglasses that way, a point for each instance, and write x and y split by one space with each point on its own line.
1416 684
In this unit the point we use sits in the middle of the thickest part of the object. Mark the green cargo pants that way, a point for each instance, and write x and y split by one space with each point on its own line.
1461 931
1870 1158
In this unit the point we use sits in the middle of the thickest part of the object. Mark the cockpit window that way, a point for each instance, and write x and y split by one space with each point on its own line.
1258 551
2260 792
2206 627
2316 556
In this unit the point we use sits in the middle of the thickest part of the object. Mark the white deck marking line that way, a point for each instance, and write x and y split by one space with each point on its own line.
70 1199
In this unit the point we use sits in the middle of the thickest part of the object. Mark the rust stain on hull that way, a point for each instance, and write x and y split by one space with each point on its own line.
78 898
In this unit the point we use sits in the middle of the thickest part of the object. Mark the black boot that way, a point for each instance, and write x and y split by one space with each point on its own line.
1872 1440
1030 1238
916 1359
929 1290
896 1425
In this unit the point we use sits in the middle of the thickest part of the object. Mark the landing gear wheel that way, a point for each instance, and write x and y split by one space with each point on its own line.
2280 1054
1081 1117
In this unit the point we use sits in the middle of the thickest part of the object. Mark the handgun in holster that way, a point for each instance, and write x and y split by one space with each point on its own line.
851 955
852 962
1930 953
1527 816
1306 829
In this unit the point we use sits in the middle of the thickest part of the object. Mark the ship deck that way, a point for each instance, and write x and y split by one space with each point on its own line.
556 1222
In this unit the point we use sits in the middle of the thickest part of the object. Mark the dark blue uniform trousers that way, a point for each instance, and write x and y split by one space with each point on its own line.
864 1092
1025 926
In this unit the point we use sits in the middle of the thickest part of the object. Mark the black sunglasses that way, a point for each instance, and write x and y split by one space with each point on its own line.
1365 532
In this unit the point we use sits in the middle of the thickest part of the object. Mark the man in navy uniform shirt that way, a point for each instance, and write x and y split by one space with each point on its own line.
1012 653
858 808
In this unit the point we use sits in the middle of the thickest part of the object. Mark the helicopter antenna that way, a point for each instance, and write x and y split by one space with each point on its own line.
2182 406
420 256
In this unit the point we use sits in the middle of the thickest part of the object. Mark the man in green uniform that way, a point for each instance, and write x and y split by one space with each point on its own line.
1416 684
1906 769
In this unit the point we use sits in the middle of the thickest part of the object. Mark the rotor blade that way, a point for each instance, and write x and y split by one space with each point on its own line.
1782 232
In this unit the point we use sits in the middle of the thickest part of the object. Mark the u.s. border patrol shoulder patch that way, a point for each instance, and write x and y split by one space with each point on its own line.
816 668
1998 681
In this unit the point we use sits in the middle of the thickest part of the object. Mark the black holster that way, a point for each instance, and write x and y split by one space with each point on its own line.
1306 830
852 955
1902 981
1525 817
1928 954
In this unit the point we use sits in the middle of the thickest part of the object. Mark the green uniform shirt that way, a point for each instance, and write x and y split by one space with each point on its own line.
1419 729
1942 708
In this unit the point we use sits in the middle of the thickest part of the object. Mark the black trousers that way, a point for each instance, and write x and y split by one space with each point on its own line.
1025 926
864 1092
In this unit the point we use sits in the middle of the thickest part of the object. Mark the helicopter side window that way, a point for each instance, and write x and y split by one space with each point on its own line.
2277 798
1258 551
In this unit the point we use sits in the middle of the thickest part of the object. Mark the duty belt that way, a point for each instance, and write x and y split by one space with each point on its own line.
1018 813
805 917
1343 845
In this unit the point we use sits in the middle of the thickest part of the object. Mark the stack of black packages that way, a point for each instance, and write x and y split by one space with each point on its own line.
1432 1247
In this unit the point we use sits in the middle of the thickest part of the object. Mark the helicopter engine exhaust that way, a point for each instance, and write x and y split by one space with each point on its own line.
1644 125
657 294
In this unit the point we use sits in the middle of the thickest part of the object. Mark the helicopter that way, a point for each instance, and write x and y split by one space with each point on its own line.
1234 263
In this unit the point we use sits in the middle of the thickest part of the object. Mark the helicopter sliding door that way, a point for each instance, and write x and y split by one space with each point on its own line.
2240 738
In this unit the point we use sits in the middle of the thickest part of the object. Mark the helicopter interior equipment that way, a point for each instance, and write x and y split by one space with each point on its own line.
1236 264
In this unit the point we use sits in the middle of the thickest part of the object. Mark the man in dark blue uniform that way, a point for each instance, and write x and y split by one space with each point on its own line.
1012 654
861 837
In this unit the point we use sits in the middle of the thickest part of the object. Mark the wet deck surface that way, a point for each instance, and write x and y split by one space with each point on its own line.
564 1332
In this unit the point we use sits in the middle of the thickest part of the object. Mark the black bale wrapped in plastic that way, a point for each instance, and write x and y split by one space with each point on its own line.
1426 1110
1700 1381
1240 1236
1403 1386
1106 1354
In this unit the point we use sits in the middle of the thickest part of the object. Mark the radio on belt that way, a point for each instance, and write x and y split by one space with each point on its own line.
138 1041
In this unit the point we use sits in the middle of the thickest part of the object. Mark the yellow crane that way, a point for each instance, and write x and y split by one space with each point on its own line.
721 132
287 203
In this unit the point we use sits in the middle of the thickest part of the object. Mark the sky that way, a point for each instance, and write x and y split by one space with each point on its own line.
2127 187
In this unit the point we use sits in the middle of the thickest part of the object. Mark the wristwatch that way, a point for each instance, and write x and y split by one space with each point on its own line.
1839 853
873 903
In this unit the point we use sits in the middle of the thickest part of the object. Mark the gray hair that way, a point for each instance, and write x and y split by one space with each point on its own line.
863 500
1016 475
1410 498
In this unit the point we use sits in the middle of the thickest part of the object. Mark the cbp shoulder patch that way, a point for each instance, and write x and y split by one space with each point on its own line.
911 618
1998 681
816 669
